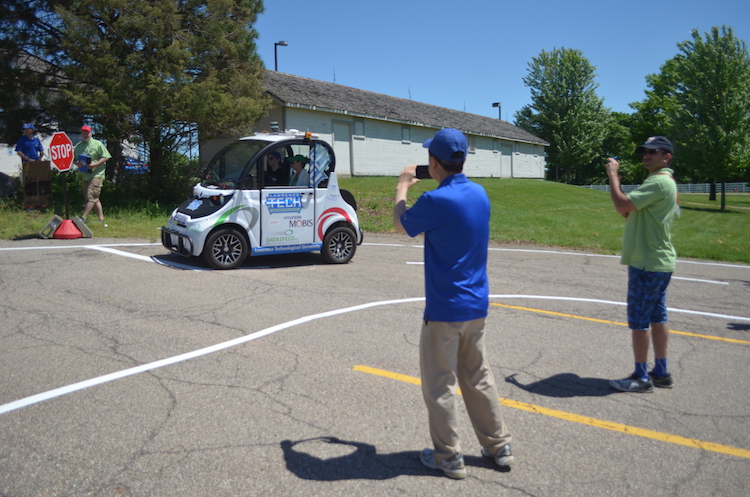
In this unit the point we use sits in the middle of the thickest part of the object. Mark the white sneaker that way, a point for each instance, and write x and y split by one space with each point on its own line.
504 457
453 467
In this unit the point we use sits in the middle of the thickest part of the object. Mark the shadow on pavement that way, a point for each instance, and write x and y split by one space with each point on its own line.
566 385
258 262
331 459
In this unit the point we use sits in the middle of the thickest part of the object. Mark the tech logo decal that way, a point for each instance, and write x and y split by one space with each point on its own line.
284 202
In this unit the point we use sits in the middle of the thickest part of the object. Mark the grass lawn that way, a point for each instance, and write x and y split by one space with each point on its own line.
529 211
554 214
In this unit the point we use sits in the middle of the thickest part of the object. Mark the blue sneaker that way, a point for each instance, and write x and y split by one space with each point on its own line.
632 384
661 381
452 468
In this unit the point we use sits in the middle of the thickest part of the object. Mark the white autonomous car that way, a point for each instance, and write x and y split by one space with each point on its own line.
253 201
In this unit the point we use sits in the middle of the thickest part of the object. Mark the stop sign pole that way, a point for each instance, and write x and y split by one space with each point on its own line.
61 154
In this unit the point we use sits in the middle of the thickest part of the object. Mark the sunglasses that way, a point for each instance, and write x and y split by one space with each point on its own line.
650 151
272 157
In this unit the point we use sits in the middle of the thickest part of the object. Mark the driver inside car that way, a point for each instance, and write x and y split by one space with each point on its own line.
277 173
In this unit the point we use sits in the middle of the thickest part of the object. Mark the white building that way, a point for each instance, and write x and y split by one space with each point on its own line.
10 162
377 135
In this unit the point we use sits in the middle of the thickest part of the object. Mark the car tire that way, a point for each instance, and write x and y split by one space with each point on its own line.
339 245
225 249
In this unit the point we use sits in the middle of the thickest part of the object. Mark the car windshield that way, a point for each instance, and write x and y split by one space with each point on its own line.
226 167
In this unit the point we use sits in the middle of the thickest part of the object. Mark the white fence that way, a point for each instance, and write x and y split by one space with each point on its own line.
684 188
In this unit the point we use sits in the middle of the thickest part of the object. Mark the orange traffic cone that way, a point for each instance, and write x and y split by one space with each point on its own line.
67 230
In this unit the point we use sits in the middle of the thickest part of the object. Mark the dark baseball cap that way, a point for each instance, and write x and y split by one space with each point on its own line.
656 142
448 145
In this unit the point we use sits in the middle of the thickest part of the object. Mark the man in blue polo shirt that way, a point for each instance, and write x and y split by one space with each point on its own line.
455 219
28 147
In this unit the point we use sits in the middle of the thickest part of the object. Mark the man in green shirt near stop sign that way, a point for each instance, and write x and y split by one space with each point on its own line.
91 156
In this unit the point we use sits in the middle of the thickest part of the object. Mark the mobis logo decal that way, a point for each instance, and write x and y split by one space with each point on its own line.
300 223
284 202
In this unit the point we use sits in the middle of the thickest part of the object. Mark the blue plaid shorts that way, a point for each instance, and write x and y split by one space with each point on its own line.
647 298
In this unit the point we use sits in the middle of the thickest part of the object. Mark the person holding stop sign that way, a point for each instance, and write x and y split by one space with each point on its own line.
92 169
28 147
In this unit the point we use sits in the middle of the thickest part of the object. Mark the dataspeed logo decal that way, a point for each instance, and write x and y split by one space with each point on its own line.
284 202
286 236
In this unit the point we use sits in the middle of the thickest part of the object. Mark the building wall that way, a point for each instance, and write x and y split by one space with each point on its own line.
528 161
10 162
382 148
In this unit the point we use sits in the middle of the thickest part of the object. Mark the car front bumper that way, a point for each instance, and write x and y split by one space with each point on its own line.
176 243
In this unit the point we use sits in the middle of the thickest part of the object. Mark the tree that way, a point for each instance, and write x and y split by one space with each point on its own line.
29 34
565 111
704 94
154 72
652 116
621 141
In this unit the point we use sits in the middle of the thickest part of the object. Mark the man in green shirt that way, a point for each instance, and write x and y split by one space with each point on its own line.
92 170
648 252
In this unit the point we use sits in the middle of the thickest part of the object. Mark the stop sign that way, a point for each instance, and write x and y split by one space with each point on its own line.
61 151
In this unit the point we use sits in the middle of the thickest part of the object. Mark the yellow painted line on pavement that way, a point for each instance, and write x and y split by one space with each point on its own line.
576 418
685 333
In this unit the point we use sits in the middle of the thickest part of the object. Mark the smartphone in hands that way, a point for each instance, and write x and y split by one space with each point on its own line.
423 172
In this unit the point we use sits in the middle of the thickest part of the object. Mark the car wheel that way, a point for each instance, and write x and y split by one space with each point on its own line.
339 245
225 249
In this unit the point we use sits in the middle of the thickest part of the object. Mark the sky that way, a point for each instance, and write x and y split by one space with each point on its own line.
467 55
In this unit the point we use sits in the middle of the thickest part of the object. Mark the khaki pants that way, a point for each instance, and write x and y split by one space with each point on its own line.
92 188
451 356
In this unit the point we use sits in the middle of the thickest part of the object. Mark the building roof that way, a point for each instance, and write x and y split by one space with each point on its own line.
296 91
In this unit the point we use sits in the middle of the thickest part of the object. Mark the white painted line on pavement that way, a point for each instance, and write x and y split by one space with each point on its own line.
146 258
536 251
700 281
744 266
110 250
611 302
58 247
58 392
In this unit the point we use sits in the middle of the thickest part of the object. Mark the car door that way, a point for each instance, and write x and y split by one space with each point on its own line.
287 218
288 212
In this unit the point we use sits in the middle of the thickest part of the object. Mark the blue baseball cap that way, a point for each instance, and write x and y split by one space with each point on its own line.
448 145
656 142
28 126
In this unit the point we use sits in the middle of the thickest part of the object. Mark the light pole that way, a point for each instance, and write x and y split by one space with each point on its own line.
276 54
499 106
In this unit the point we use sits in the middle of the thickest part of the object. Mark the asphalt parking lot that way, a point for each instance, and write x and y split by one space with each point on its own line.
126 371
